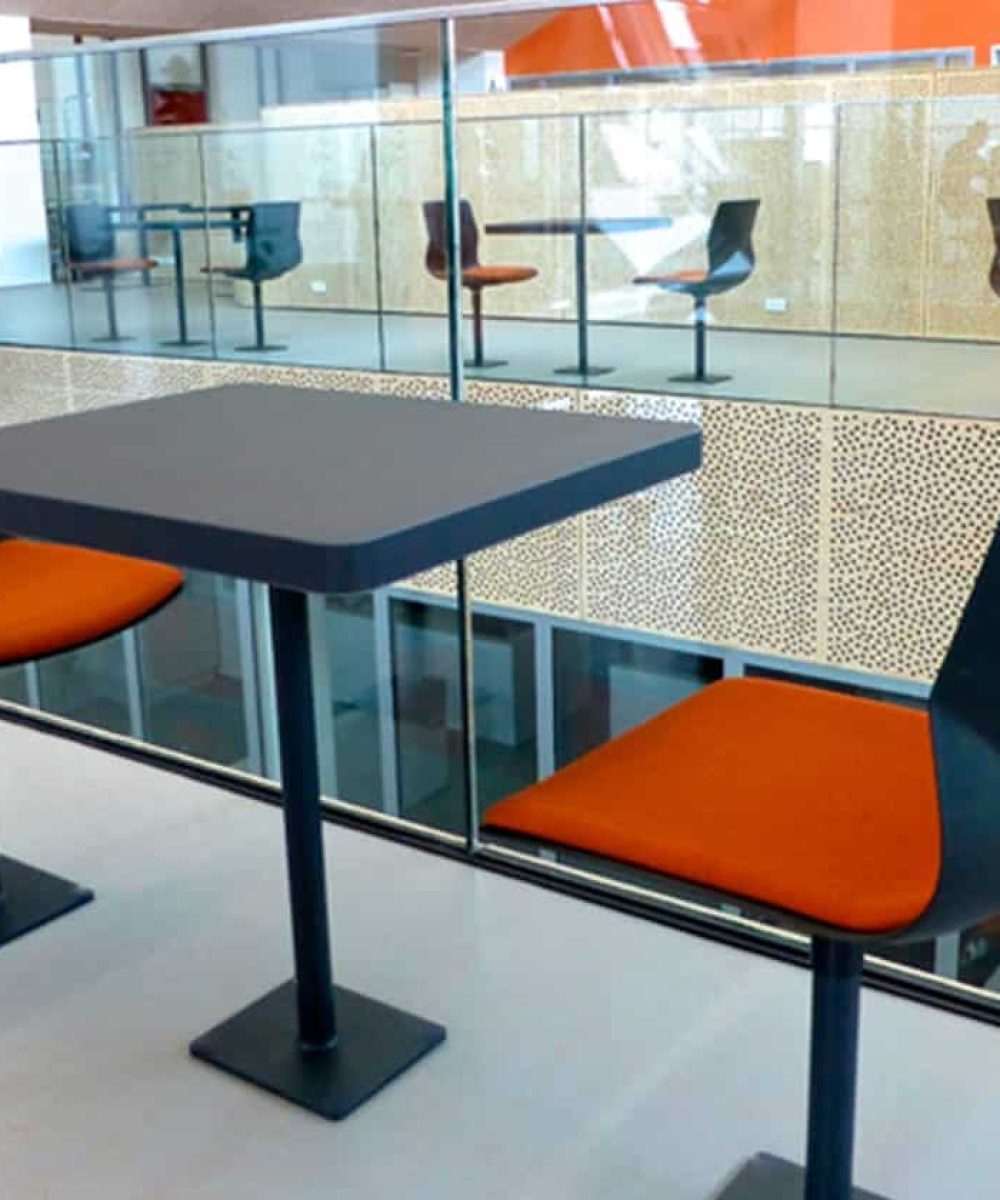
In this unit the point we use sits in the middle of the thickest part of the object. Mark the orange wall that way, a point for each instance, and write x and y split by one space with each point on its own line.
605 37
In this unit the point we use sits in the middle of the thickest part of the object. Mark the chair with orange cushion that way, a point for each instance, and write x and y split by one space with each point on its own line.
90 254
53 599
854 821
475 276
730 263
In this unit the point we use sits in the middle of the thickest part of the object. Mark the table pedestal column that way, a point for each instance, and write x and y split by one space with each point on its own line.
324 1047
583 365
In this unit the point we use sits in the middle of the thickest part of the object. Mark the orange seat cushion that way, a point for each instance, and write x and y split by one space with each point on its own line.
111 265
55 598
808 802
675 277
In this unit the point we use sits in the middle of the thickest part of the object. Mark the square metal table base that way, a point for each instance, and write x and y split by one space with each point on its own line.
31 897
767 1177
375 1043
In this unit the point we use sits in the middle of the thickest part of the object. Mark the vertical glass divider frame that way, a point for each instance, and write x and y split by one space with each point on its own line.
456 375
60 224
207 235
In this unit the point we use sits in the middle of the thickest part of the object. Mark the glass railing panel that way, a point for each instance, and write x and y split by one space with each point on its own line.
14 685
414 301
89 686
316 302
195 668
128 244
35 308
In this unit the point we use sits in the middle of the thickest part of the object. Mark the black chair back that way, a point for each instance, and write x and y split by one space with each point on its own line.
90 235
965 728
437 236
730 242
273 244
993 208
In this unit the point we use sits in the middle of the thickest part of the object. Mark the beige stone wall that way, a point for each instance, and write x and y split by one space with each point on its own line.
842 538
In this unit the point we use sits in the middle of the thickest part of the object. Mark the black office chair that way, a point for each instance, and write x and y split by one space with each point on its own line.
273 249
730 263
993 208
90 254
475 276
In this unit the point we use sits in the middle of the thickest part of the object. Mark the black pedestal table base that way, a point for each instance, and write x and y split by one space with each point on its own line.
265 349
184 342
486 364
30 898
767 1177
583 372
375 1043
689 378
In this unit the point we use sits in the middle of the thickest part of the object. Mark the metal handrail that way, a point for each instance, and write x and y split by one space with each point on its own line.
259 33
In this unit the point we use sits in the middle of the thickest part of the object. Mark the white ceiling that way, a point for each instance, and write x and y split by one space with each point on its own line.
135 17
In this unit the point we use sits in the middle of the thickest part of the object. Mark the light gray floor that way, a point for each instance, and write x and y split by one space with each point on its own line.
923 376
589 1056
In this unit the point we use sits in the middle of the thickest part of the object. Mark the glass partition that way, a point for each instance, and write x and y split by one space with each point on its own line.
771 245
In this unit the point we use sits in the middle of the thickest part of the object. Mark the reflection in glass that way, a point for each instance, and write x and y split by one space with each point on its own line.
193 673
88 686
604 686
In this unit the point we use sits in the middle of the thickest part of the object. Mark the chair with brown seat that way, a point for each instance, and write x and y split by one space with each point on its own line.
475 276
854 821
90 254
54 599
730 263
993 208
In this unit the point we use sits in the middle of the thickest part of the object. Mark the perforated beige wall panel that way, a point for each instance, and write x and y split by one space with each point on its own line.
836 537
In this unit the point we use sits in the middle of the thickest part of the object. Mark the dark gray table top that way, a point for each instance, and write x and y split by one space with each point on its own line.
321 491
564 225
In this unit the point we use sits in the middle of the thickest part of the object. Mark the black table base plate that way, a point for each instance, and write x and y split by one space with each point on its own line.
185 342
31 898
265 349
375 1044
766 1177
108 340
575 370
485 365
698 378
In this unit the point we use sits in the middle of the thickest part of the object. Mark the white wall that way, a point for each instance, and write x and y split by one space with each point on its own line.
24 242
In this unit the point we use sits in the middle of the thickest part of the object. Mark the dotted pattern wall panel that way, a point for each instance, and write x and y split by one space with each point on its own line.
841 537
33 384
660 560
913 503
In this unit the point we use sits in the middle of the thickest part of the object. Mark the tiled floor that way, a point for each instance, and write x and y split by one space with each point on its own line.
922 376
589 1056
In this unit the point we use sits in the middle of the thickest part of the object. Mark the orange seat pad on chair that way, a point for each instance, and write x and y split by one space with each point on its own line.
806 801
55 598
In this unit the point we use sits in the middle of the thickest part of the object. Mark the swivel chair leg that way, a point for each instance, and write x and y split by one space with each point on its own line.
30 898
260 346
700 374
833 1070
479 361
111 309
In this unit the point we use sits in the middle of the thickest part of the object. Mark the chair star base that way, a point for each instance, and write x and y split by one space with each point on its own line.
266 348
485 365
691 378
375 1044
585 373
767 1177
30 898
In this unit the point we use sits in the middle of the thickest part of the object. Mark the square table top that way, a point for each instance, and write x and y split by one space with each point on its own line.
315 490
